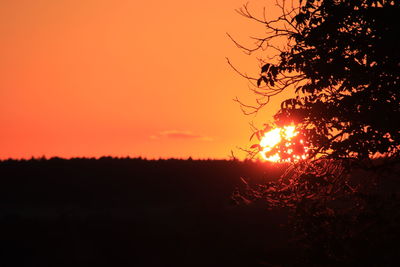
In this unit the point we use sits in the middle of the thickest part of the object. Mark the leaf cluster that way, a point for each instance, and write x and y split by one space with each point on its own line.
343 63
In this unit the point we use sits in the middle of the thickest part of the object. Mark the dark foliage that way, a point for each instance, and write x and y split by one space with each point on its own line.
340 215
134 212
342 60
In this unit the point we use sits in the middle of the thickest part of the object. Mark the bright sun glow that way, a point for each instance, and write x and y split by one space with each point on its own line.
275 137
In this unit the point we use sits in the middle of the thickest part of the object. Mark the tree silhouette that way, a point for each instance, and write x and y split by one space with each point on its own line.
342 60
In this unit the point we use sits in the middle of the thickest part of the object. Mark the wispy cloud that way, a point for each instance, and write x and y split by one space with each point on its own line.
175 134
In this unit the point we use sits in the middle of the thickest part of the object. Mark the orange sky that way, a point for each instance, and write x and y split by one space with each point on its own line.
123 78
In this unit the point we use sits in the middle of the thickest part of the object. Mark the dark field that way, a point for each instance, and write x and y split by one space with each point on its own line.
133 212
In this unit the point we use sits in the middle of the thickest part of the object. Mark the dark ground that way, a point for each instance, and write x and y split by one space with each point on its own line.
132 212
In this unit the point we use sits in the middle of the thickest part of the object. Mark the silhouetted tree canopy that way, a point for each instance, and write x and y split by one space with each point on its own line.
342 60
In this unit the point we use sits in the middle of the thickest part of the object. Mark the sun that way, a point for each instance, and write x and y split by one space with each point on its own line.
279 141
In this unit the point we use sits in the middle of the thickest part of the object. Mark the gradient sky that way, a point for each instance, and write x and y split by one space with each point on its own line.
124 78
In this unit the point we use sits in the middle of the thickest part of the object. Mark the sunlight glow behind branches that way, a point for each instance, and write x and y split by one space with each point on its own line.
279 136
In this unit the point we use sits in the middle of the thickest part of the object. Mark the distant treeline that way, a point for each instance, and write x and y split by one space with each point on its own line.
116 178
128 158
249 169
134 212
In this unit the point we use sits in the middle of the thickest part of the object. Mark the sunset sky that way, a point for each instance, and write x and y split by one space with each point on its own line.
124 78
